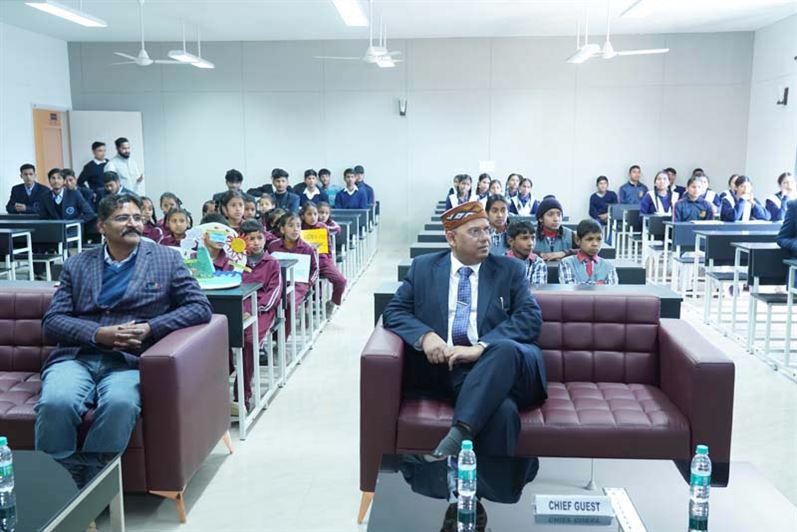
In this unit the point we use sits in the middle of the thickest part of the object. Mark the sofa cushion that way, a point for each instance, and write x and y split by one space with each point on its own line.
580 419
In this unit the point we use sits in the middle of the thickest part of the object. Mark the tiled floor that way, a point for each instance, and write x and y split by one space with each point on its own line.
298 469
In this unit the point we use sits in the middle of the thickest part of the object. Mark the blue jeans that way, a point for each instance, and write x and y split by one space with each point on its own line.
70 388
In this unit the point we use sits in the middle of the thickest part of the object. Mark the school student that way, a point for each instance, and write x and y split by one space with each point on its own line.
264 269
112 184
359 175
233 179
497 215
250 207
209 207
176 223
741 206
600 200
483 188
311 192
729 192
60 203
706 192
462 185
231 206
776 203
632 192
496 188
167 202
214 243
672 176
326 262
326 185
554 241
520 238
512 185
351 197
523 203
325 217
271 223
787 236
70 181
25 196
692 206
283 198
265 204
661 199
586 267
151 229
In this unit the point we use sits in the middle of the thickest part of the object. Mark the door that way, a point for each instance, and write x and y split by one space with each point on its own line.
48 138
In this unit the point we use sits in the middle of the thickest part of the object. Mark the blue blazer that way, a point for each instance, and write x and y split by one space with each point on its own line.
161 291
73 207
18 195
787 236
506 309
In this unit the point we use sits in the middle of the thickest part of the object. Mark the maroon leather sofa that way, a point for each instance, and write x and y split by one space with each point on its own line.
184 392
622 383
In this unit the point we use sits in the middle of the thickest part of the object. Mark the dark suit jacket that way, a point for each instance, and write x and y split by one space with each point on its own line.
161 291
73 207
506 310
18 195
87 194
787 237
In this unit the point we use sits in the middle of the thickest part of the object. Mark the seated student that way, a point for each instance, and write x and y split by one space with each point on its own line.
523 203
698 172
264 269
112 184
672 176
497 215
600 200
692 206
776 203
265 204
520 237
151 229
483 188
632 192
268 188
730 191
70 181
496 188
234 181
787 236
283 198
272 225
176 223
91 175
351 197
231 206
661 199
741 206
250 207
25 197
209 207
462 184
215 241
586 267
554 241
61 203
310 191
326 262
359 174
326 185
512 186
708 194
325 217
167 202
101 336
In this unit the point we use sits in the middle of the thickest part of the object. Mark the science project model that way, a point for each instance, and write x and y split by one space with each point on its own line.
197 257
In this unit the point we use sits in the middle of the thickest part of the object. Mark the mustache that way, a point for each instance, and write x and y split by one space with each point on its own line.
130 231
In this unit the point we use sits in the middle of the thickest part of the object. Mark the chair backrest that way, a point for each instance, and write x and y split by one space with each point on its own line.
22 346
600 337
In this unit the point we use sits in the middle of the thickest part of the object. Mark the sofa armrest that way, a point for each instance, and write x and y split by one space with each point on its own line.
699 379
185 401
381 372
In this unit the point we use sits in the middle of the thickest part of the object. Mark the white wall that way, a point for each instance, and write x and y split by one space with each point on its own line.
512 100
772 132
34 71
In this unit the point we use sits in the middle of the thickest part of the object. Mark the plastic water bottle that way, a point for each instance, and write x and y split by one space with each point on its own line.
466 487
8 504
699 487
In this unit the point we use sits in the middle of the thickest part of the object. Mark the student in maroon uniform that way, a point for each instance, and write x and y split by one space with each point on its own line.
326 262
176 222
151 229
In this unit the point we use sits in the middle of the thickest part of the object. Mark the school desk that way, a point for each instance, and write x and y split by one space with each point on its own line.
14 242
791 290
422 248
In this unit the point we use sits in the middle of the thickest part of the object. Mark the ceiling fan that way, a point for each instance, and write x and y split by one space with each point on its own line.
143 58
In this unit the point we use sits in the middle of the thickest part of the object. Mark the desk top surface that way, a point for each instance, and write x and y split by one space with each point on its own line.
239 292
712 232
752 246
791 262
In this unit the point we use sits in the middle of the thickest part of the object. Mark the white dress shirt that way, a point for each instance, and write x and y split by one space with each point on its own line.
128 171
453 286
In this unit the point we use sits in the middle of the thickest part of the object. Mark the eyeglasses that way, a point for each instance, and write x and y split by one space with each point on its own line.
124 218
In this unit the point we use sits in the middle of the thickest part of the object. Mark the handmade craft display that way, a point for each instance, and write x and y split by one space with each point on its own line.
197 257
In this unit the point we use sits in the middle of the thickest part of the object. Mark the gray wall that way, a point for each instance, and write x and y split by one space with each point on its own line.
514 101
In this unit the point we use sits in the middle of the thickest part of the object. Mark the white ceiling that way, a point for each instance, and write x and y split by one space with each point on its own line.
258 20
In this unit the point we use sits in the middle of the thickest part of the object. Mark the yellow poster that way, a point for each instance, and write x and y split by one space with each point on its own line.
318 238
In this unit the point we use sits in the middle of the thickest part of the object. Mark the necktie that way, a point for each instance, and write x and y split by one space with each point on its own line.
589 267
58 199
459 328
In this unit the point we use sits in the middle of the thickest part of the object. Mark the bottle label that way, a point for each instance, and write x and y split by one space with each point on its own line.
467 475
700 480
7 470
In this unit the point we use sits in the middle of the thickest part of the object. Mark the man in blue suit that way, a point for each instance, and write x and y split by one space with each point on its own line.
25 197
62 203
787 236
470 323
113 303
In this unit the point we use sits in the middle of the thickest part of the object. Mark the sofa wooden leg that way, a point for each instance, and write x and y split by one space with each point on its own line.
365 503
228 442
179 502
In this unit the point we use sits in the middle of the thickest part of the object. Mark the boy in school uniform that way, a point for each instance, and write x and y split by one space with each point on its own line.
25 197
524 204
351 197
600 200
554 241
311 193
250 207
741 206
586 267
60 203
462 183
359 174
283 198
661 199
497 215
693 206
326 185
70 181
632 192
520 237
91 175
672 176
776 203
234 181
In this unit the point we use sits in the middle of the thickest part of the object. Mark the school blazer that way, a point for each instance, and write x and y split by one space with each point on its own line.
73 207
506 310
787 236
161 291
18 195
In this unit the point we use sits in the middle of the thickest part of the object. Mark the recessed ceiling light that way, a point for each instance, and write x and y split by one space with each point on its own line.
68 13
351 12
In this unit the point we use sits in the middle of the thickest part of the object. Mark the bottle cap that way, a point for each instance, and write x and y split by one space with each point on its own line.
3 440
467 445
701 449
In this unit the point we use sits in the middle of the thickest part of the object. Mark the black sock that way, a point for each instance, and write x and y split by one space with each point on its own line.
451 443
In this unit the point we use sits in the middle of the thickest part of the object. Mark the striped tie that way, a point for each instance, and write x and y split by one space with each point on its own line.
459 329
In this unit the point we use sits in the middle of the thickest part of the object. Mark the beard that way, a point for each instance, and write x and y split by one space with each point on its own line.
125 155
